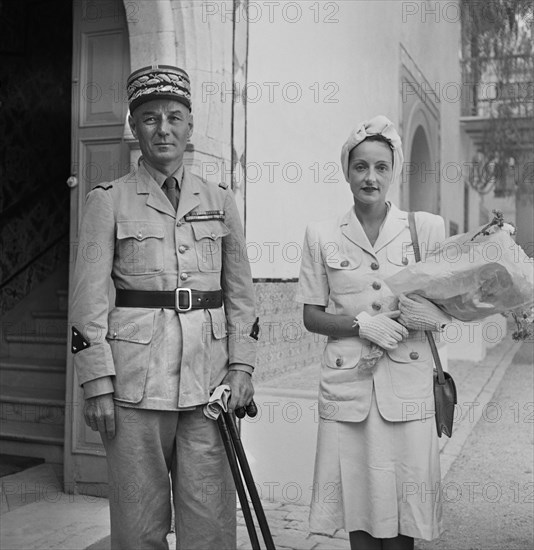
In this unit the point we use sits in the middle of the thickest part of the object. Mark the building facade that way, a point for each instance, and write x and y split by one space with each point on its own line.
277 87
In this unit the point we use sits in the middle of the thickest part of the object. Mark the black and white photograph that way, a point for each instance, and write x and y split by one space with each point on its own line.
267 275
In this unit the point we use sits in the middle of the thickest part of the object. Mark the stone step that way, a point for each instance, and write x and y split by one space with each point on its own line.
34 372
37 484
32 405
34 433
50 314
52 454
50 323
33 345
33 440
11 464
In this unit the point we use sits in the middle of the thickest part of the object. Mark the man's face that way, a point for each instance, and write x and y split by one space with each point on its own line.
162 127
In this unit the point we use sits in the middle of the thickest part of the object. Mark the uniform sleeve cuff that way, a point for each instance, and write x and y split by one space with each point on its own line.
243 368
99 386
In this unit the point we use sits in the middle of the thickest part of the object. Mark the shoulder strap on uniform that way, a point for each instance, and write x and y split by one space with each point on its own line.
104 187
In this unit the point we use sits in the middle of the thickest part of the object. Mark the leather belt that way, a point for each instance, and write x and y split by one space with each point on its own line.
181 299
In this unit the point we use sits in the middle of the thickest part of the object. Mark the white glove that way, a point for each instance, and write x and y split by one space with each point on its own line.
418 313
218 402
381 329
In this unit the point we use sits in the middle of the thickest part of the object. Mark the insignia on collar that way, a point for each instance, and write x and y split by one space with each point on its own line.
78 342
223 185
105 188
204 216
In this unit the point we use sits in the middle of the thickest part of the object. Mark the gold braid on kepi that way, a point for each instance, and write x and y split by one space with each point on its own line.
158 82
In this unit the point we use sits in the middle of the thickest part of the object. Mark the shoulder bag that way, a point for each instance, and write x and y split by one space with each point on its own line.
444 386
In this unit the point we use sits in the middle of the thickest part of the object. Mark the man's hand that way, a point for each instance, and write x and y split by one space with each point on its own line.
241 388
99 413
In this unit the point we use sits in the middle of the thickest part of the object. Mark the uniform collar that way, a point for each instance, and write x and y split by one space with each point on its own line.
160 178
395 221
148 185
189 194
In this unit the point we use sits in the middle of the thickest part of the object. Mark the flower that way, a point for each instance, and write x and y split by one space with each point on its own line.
524 320
473 275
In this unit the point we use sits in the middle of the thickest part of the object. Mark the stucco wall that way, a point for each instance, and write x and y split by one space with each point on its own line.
181 32
310 82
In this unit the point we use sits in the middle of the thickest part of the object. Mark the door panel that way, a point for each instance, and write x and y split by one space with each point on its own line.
103 103
101 64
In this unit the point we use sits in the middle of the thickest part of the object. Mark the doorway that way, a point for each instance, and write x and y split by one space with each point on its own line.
35 117
424 175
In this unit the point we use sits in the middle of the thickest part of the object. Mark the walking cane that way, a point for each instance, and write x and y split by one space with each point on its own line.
228 446
233 447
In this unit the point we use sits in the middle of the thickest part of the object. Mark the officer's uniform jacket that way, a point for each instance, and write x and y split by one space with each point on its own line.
342 270
158 358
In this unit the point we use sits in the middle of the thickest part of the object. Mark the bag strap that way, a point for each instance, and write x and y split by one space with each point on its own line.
429 335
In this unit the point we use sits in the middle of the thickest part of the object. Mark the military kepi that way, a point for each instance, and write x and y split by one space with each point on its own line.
158 82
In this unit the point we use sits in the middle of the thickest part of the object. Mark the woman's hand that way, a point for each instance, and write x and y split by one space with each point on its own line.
418 313
381 329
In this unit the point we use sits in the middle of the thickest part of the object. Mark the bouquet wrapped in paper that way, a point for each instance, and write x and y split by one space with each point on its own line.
473 275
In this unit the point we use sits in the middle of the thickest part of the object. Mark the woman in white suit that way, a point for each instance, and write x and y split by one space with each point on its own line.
377 466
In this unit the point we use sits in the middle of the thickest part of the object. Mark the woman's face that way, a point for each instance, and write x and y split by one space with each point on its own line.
370 172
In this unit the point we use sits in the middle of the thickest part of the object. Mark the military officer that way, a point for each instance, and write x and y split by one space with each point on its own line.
183 322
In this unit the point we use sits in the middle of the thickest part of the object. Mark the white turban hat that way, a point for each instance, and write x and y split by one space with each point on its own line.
379 125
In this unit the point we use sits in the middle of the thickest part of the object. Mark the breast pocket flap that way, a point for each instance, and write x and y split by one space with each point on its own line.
344 353
342 261
139 230
209 230
410 352
401 256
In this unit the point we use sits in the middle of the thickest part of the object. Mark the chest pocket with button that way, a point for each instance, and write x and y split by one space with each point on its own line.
339 373
140 247
341 270
208 244
400 255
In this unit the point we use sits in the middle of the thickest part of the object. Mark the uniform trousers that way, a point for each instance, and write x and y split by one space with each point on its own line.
147 447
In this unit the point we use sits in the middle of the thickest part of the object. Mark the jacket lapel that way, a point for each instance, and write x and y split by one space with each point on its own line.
353 230
157 199
396 222
189 195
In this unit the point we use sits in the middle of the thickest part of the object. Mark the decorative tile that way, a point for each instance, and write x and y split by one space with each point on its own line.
284 344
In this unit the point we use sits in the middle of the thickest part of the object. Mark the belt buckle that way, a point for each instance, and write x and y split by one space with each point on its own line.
177 300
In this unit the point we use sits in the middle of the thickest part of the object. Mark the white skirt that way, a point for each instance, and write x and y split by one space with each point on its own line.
377 476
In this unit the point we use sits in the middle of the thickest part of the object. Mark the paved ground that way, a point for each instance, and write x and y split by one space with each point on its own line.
488 493
488 487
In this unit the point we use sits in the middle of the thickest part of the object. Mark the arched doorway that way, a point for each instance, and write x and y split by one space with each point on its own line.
423 174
